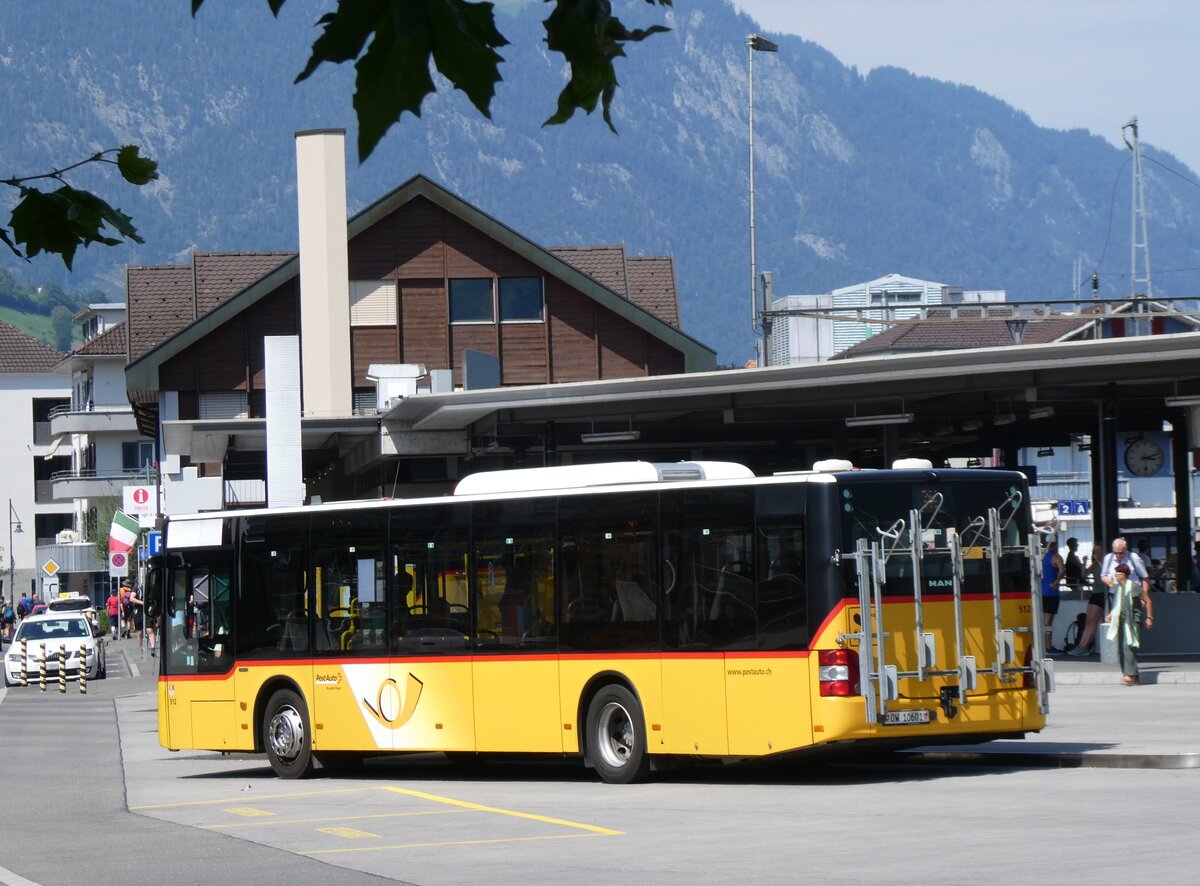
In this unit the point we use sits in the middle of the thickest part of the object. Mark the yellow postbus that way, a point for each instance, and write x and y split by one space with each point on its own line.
626 614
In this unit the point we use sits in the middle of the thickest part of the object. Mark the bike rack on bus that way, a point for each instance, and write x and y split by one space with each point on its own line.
880 679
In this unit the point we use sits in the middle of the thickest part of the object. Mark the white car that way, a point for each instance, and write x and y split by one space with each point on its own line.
75 603
48 633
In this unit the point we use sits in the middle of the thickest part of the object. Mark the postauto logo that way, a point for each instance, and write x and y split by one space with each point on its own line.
394 707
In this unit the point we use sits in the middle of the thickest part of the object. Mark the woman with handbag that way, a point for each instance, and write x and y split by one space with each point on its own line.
1131 610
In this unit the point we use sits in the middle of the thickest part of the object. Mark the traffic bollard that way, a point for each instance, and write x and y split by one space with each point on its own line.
42 670
83 657
62 668
24 662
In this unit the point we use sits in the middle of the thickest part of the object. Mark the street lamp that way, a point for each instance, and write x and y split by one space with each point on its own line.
755 43
14 525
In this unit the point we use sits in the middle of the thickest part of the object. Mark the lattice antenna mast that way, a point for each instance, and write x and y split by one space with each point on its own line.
1139 239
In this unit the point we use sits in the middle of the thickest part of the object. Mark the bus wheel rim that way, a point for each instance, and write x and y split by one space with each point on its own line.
615 736
286 733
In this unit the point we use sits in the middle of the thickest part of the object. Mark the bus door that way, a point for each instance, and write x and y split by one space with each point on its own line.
515 662
949 608
198 646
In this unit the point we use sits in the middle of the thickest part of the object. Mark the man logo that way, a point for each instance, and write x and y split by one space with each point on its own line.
393 708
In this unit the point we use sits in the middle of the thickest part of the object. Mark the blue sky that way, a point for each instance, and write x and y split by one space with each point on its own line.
1068 64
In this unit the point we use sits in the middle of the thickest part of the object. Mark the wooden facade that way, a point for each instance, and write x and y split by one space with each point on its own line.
415 251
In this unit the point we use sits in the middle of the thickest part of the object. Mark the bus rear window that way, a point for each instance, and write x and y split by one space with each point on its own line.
871 511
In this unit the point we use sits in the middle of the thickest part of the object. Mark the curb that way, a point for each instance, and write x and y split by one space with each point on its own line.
1065 760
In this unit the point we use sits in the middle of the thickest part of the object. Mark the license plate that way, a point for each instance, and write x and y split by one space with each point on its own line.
905 718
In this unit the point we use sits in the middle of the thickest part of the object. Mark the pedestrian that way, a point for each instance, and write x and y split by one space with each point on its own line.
126 609
1073 566
145 629
1098 601
1052 576
1130 612
8 617
24 607
113 604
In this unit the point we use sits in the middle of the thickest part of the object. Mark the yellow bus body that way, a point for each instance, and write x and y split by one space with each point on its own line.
714 704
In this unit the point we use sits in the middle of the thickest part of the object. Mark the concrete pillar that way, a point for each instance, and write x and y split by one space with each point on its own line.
324 273
1181 468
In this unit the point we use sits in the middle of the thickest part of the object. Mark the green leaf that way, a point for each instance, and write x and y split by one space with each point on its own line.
4 238
275 5
135 169
400 37
62 221
590 38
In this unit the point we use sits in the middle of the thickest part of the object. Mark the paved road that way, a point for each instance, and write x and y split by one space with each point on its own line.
80 774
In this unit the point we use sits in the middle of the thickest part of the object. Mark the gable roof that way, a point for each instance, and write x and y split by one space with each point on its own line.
23 354
647 281
940 330
142 372
163 301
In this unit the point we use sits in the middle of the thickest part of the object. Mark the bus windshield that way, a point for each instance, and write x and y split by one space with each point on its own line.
947 507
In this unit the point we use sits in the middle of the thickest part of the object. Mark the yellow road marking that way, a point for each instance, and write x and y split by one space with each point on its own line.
247 811
221 826
349 833
259 798
450 843
607 832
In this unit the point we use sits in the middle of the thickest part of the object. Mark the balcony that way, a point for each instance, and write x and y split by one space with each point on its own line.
73 419
88 483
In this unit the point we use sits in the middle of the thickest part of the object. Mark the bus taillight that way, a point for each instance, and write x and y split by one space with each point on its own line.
838 672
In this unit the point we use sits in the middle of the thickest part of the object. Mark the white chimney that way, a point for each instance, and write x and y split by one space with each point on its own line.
324 272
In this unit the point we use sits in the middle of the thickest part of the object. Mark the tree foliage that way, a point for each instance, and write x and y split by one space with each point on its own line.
393 42
61 320
62 220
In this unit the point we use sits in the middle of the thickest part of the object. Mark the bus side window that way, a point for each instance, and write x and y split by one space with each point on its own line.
272 599
783 593
609 572
708 537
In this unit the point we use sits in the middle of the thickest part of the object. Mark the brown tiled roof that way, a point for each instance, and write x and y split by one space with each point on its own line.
22 353
652 286
942 333
604 264
165 300
221 275
108 344
647 281
160 304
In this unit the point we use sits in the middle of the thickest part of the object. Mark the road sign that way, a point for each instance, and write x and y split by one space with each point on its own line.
51 567
140 502
118 565
155 540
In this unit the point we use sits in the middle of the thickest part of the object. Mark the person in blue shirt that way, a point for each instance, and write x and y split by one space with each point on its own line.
1053 570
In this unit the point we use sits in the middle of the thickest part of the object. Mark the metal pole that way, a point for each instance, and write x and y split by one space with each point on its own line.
755 43
753 270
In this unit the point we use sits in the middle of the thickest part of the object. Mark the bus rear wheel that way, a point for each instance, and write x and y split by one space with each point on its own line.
286 736
616 736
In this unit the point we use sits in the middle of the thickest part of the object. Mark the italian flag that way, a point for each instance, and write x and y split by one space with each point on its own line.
123 534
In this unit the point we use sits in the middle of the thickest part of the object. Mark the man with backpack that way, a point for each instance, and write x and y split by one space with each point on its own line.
24 607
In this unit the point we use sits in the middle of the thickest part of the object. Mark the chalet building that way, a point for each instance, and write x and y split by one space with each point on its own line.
419 291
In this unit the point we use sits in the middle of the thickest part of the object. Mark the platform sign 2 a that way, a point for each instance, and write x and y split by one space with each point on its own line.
1074 507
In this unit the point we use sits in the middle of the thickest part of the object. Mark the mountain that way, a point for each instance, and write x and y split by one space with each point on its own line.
855 175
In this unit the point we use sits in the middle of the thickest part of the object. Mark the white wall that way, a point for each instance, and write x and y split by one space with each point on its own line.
17 454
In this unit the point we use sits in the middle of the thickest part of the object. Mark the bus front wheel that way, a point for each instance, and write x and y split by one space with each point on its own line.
616 736
286 736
